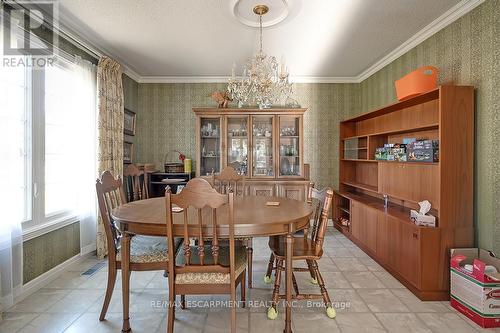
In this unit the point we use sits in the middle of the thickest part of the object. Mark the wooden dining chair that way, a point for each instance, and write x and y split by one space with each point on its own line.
299 234
308 248
135 183
224 182
205 268
146 253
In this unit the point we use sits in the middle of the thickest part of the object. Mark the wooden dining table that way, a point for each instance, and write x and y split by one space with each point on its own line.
252 217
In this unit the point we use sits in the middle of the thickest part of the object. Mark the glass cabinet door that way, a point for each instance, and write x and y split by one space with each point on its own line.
262 146
237 144
289 146
210 145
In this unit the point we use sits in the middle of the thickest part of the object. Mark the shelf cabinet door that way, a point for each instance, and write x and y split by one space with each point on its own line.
237 143
262 190
357 216
409 252
414 182
364 224
262 147
210 145
297 192
290 146
387 240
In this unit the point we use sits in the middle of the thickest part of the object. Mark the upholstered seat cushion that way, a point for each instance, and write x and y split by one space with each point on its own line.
148 249
208 259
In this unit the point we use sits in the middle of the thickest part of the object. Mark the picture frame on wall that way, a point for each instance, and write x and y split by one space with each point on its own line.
129 122
128 152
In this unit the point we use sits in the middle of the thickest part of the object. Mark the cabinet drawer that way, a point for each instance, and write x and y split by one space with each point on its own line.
414 182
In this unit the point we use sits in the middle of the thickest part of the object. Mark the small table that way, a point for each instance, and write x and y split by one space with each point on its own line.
252 218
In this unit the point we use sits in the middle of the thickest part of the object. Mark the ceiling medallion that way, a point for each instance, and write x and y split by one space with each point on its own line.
264 81
242 11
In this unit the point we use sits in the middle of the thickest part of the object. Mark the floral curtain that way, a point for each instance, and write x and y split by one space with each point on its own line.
110 128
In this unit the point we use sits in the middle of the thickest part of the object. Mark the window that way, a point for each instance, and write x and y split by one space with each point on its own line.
15 124
59 141
47 115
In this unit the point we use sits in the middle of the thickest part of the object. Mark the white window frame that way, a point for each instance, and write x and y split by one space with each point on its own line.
40 223
37 223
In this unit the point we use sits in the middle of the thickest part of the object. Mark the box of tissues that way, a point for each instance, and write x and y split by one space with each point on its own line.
421 217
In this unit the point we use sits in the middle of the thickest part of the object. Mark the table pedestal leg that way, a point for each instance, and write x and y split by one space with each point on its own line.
125 265
288 283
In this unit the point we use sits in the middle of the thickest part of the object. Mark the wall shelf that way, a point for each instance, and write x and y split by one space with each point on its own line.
362 186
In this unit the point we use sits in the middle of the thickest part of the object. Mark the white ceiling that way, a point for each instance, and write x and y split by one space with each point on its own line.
182 38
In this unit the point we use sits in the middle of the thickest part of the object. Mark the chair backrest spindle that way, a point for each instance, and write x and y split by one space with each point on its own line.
228 180
200 203
136 183
321 201
110 194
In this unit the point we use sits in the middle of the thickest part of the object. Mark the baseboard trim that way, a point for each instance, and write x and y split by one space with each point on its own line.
39 282
88 249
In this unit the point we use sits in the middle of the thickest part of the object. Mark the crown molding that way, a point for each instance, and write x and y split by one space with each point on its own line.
450 16
82 37
224 79
183 79
323 79
131 73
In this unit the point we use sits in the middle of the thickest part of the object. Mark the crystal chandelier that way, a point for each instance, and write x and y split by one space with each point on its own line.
264 82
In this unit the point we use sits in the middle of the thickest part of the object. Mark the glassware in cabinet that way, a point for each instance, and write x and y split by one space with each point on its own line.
210 145
237 143
262 146
289 146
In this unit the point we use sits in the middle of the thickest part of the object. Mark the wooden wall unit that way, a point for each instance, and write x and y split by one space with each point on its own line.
417 256
266 146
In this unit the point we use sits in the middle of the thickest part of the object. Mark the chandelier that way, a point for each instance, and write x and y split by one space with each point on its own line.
264 82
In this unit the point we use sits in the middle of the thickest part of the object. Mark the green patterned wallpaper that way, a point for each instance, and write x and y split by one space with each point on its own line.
130 93
166 121
467 52
43 253
130 102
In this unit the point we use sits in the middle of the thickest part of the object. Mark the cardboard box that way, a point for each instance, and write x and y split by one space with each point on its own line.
381 154
399 153
475 293
423 151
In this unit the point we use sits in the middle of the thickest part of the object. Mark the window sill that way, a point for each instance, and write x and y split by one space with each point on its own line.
38 230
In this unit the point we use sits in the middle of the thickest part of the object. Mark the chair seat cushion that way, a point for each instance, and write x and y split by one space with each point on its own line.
204 277
148 249
303 248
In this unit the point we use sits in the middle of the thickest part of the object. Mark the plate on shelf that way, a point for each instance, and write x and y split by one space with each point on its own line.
172 180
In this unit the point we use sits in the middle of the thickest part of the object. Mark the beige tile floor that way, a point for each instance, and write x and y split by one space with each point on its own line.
368 299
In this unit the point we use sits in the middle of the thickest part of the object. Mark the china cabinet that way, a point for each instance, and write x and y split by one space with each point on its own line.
266 146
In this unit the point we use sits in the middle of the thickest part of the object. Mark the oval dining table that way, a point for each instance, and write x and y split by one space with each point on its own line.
252 217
